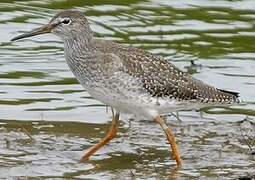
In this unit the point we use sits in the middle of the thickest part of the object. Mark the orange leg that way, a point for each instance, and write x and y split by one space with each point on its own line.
171 140
109 136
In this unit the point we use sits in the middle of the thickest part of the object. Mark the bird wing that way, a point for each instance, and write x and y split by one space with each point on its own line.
163 79
160 78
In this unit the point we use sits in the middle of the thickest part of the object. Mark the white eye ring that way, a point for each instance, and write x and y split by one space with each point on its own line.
66 21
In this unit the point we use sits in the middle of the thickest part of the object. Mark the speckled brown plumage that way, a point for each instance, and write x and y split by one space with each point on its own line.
160 78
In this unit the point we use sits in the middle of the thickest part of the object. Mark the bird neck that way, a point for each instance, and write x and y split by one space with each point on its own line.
78 42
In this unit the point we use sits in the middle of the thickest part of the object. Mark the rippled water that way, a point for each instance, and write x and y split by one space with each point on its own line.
40 97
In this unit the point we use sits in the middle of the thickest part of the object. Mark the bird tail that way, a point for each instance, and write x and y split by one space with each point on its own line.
232 94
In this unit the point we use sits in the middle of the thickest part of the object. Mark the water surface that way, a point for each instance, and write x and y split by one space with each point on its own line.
40 97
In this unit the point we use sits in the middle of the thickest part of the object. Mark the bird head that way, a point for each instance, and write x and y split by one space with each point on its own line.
66 24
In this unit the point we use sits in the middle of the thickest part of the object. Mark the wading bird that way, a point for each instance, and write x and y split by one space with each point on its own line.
128 79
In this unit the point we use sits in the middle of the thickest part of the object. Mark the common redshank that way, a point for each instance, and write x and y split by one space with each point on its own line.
128 79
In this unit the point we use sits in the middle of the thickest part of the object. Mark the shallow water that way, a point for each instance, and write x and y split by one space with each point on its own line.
40 98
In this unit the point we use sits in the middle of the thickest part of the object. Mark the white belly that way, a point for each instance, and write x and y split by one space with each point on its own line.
142 105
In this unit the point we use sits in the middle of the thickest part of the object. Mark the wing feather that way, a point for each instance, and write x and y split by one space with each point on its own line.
160 78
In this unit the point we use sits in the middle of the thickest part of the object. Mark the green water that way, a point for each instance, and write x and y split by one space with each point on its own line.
39 95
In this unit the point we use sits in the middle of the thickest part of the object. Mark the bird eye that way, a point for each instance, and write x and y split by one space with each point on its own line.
66 21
